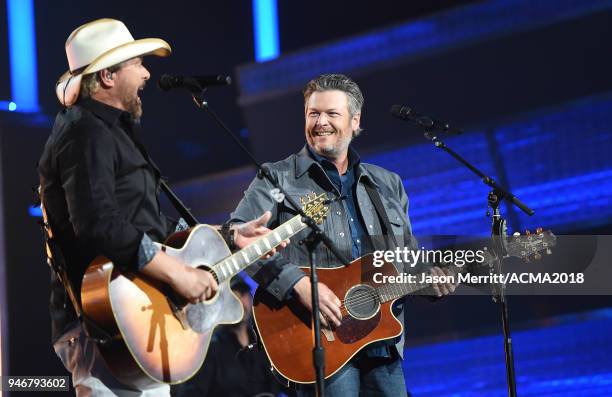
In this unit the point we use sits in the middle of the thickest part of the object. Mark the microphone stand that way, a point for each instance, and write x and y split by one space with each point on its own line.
315 237
498 236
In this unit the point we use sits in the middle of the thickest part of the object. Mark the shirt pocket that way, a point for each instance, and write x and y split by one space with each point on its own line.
397 219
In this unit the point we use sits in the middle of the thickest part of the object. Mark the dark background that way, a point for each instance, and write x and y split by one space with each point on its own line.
471 86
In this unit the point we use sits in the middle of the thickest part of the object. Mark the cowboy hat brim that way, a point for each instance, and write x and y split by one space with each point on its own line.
68 86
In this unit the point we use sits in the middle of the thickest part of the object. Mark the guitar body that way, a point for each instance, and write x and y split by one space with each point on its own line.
286 331
150 344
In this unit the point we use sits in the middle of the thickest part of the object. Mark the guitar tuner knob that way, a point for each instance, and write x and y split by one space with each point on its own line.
527 232
537 257
539 230
516 234
548 251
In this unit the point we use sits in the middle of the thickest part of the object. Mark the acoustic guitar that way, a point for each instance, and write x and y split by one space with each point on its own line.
154 337
285 328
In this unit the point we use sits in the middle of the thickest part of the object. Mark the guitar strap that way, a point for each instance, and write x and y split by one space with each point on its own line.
178 204
391 242
172 197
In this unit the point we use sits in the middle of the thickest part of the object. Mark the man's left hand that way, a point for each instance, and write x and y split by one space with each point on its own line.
247 233
442 289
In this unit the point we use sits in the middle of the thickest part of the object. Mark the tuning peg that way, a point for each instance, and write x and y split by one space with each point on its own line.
548 251
537 256
527 232
539 230
302 200
516 234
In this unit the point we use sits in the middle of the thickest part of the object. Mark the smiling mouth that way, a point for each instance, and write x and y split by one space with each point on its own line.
322 133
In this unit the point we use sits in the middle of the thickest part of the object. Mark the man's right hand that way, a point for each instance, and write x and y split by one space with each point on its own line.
195 285
329 304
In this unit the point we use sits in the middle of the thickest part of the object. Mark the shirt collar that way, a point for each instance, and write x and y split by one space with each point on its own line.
304 161
106 112
353 159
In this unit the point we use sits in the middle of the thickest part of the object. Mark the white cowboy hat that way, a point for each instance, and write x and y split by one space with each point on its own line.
98 45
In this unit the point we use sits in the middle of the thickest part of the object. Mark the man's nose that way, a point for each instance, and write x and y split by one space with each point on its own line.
147 75
322 119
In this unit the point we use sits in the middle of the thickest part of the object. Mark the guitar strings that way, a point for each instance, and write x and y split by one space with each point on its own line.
360 299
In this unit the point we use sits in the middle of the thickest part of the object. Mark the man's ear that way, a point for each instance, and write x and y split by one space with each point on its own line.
356 121
106 78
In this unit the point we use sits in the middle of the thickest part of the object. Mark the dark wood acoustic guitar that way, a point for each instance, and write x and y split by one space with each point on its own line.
155 337
286 331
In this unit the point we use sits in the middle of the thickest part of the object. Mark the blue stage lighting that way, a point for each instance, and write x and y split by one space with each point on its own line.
35 211
22 51
265 23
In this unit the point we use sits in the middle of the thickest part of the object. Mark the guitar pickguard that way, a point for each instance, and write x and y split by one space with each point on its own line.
351 330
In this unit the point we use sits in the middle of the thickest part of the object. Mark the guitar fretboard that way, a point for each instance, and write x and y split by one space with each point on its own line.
390 291
232 265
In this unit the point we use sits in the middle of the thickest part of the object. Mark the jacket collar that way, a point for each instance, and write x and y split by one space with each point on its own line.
303 162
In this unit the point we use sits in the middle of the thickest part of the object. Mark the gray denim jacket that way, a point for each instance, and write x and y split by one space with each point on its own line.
300 175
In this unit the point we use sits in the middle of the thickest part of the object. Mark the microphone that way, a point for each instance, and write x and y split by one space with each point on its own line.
407 114
192 83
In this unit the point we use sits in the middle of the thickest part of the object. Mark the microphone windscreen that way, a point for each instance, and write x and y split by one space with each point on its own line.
166 82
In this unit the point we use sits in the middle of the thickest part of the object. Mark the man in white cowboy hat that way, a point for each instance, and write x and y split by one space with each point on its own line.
100 190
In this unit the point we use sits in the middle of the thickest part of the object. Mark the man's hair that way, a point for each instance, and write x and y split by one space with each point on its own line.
90 83
340 82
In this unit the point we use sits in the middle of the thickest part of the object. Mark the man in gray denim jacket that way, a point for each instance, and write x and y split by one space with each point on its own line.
328 164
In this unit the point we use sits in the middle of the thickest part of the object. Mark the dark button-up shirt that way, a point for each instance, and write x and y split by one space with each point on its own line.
346 188
100 193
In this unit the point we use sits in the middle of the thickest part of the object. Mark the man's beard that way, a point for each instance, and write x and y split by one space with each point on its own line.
131 102
333 150
134 107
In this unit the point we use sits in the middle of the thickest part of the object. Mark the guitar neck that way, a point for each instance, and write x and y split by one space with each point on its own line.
232 265
391 291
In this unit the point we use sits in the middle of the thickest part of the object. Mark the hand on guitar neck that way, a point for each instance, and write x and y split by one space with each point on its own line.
247 233
197 285
329 304
442 289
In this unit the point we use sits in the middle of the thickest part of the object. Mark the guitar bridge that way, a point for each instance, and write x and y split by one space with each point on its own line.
179 313
329 335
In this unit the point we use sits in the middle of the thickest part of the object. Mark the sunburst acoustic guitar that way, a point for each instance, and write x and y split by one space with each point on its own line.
153 336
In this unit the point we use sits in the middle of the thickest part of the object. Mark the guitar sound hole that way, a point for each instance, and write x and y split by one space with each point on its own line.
361 301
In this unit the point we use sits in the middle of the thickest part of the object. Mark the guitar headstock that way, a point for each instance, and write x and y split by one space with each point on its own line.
314 205
531 245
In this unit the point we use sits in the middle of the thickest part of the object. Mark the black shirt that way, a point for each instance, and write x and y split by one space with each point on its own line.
99 191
